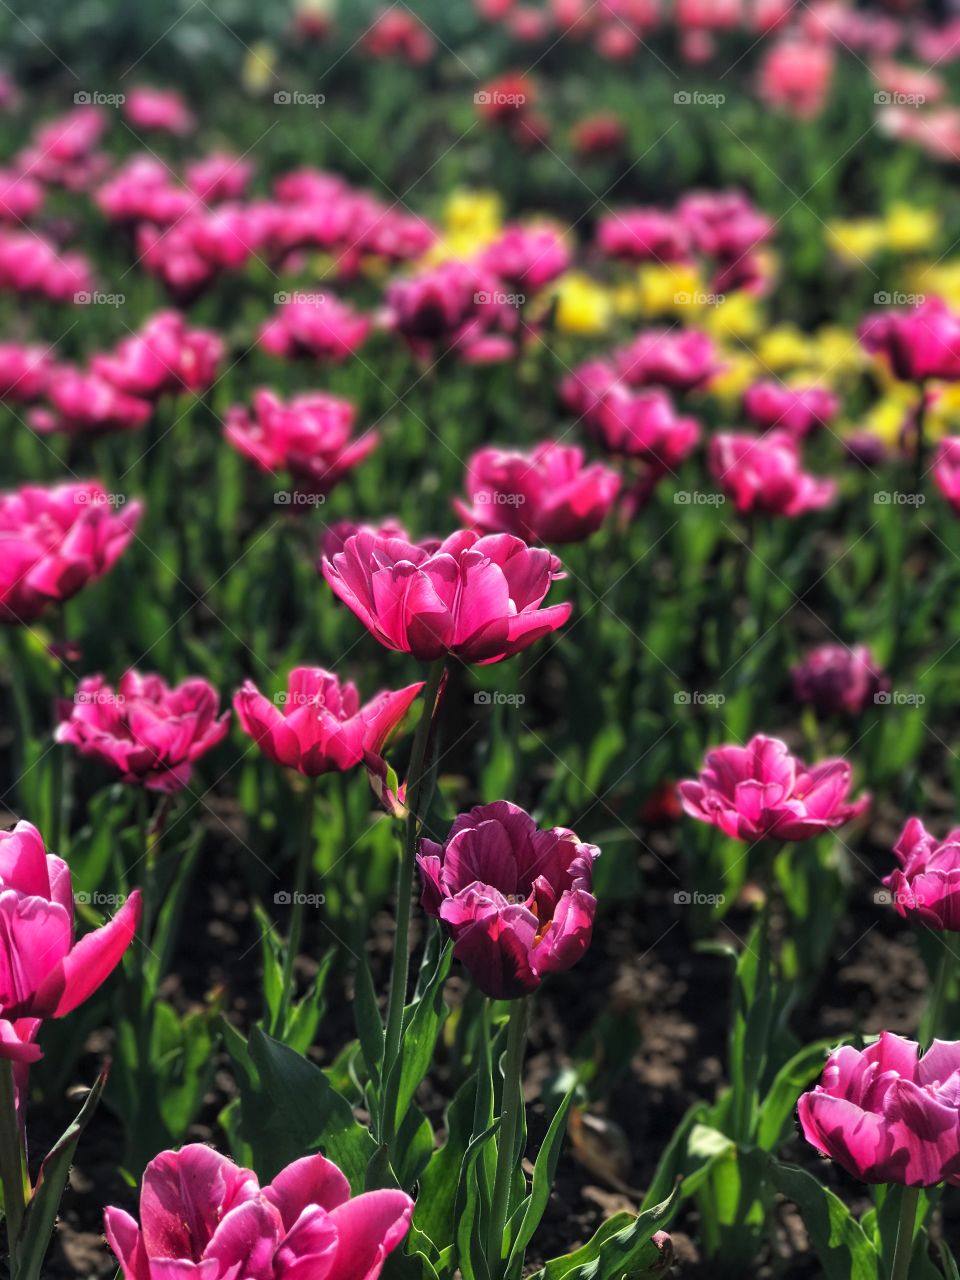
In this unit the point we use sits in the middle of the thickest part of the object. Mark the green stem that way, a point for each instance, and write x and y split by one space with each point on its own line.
920 425
11 1163
405 874
302 878
510 1111
903 1250
933 1016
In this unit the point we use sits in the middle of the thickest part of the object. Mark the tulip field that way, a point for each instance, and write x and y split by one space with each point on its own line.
480 640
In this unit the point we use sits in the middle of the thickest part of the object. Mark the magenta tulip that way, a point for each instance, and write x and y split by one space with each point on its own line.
681 360
456 307
150 733
86 404
203 1216
798 410
946 470
43 972
547 495
54 541
834 678
517 900
643 235
765 474
926 885
761 791
164 358
218 176
887 1114
318 725
644 425
162 110
918 343
309 436
320 328
24 372
478 598
723 224
527 258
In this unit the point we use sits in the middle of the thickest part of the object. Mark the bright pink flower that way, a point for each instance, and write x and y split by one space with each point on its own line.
642 235
53 541
765 473
723 224
24 372
709 14
142 190
761 792
334 537
796 75
74 134
642 424
517 900
547 495
218 176
320 328
833 678
946 470
31 264
87 404
527 258
478 598
161 109
151 733
399 33
318 725
919 342
454 307
887 1114
926 885
679 359
20 196
45 974
798 410
203 1216
920 84
309 436
164 358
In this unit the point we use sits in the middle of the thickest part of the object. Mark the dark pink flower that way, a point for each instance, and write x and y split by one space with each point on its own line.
24 372
761 792
798 410
478 598
642 424
946 470
643 235
888 1114
547 495
203 1216
150 733
53 541
919 342
164 358
319 328
926 885
517 900
87 404
456 307
723 224
765 473
318 725
218 176
834 678
44 973
527 258
679 359
20 196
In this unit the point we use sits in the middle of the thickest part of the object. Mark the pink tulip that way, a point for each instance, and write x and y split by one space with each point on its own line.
164 358
679 359
597 135
334 536
547 495
399 33
45 973
142 190
318 726
761 792
24 372
320 328
642 424
309 436
796 75
205 1217
151 733
723 224
163 110
643 235
765 474
946 470
478 598
921 84
218 176
527 258
20 196
887 1114
53 541
30 265
171 254
833 678
926 885
919 342
86 404
456 307
798 410
517 900
709 14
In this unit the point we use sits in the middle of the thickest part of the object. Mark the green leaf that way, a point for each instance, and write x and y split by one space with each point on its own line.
843 1248
472 1211
368 1021
434 1214
790 1081
949 1263
422 1023
544 1170
622 1246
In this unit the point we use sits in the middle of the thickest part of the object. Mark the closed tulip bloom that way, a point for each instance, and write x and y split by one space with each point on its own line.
318 725
322 329
765 473
53 541
163 110
547 495
946 470
926 885
888 1114
309 436
834 678
478 598
86 404
165 358
150 732
527 258
201 1215
918 342
796 409
45 974
795 76
761 791
517 900
678 360
643 235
